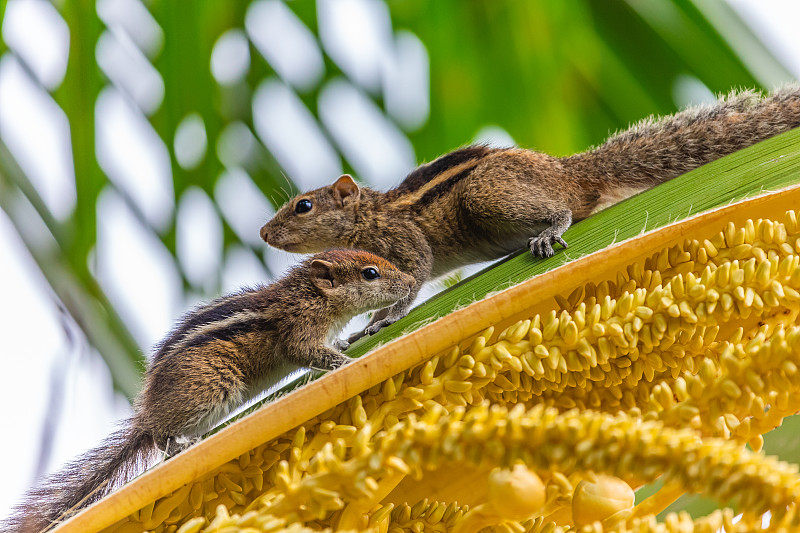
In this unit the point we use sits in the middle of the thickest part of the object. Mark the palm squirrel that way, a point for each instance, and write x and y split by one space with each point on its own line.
480 203
219 356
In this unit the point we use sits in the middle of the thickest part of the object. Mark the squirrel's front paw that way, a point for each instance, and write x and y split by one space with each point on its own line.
372 329
355 336
542 244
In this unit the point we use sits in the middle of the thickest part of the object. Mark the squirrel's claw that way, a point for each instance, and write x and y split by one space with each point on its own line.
377 326
542 244
372 329
342 360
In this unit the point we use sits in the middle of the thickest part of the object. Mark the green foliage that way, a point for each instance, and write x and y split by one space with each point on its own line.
559 76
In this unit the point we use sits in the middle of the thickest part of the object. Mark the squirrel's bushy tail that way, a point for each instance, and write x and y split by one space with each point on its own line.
658 149
82 481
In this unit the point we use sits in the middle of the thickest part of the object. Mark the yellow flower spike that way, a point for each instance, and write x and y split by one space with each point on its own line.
499 413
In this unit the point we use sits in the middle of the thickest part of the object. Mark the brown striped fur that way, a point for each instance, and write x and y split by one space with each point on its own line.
480 203
217 357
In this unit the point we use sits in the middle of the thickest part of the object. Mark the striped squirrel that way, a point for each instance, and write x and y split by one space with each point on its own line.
219 356
480 203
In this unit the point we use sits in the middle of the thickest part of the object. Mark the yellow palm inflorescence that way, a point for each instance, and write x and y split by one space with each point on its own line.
549 421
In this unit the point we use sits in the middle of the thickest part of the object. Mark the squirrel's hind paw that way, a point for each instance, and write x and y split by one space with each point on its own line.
176 445
542 244
341 344
339 361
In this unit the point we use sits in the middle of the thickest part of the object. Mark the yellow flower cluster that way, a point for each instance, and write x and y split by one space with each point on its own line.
663 371
543 440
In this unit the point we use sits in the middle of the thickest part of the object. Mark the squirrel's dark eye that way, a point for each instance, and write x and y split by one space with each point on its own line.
303 206
370 273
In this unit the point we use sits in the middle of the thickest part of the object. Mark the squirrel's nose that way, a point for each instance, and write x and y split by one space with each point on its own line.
264 233
411 281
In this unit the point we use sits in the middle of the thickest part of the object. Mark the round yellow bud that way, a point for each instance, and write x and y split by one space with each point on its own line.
515 494
598 501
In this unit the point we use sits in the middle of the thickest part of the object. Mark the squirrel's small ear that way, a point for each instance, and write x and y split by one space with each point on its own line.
346 189
322 275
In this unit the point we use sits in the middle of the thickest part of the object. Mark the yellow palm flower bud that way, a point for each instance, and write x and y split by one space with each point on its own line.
515 493
595 501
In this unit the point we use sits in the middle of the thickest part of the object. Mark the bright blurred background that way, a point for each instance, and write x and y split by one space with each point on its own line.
143 144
